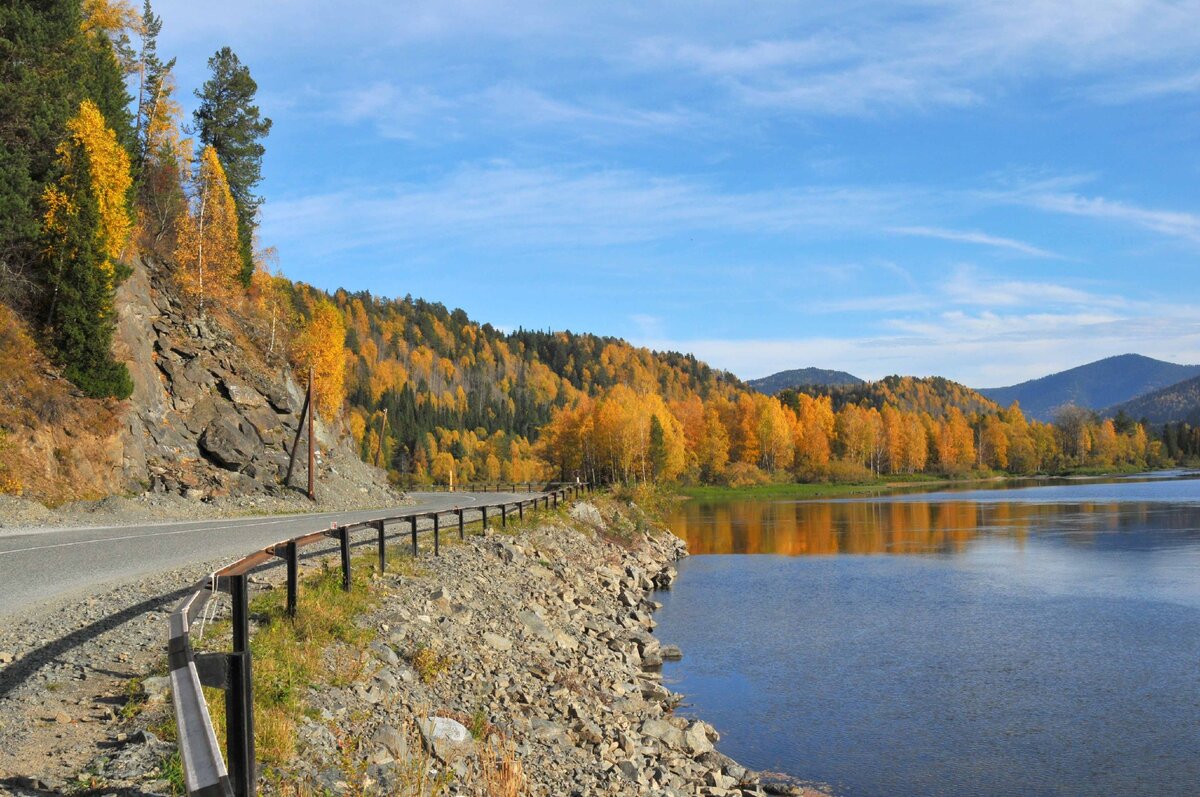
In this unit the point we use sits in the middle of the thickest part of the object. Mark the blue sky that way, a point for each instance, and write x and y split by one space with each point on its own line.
987 190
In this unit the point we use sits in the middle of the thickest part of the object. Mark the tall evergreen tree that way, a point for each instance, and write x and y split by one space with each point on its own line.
230 122
152 73
81 230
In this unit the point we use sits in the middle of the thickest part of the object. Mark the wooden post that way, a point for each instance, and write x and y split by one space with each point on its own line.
382 432
287 480
312 453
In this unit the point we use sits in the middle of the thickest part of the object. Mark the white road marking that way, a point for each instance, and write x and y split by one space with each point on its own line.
252 524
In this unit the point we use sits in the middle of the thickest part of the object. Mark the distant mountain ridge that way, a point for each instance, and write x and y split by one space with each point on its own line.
797 377
1096 385
1171 404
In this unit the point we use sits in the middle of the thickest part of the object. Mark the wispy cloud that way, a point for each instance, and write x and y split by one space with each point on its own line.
500 204
974 237
1178 224
967 286
980 350
873 58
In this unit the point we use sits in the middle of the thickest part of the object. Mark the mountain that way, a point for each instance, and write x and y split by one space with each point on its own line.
934 395
1103 383
1177 402
802 376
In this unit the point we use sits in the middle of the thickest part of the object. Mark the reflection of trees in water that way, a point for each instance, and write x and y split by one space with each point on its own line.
813 529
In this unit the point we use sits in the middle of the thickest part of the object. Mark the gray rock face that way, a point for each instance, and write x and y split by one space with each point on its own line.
231 442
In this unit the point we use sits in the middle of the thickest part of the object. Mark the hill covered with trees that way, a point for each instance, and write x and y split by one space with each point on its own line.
800 377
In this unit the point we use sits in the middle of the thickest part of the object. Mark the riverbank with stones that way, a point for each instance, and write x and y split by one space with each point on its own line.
546 667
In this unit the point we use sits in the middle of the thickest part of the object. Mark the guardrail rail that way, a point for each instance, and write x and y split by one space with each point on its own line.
205 771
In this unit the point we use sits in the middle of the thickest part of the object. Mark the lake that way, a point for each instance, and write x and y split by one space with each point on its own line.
1033 640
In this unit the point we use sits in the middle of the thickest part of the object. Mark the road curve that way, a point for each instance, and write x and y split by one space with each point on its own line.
38 566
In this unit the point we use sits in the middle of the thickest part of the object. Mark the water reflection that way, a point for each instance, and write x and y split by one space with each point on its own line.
949 645
916 527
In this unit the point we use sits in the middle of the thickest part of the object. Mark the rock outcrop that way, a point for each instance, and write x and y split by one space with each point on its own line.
210 416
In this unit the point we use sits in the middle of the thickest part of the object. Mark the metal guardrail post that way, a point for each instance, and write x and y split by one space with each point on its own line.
503 516
521 510
344 540
437 536
239 697
379 527
412 522
293 577
483 510
462 526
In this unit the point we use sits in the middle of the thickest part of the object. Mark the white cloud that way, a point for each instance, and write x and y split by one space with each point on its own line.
873 57
981 350
499 204
974 237
1178 224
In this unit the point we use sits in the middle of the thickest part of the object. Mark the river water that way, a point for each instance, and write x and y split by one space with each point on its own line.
1038 640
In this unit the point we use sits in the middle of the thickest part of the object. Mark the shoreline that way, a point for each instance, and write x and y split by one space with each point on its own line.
544 633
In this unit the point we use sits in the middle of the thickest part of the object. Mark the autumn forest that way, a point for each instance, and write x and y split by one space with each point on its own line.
99 169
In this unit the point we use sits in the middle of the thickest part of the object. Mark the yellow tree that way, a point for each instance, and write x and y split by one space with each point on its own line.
206 253
773 433
993 443
713 452
108 168
321 346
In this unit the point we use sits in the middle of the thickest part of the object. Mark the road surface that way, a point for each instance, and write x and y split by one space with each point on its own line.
38 566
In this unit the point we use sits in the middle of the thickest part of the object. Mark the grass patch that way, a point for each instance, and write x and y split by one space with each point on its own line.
291 655
429 662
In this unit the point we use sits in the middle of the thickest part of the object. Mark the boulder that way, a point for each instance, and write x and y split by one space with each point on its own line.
231 442
585 512
695 739
157 689
496 641
445 738
241 395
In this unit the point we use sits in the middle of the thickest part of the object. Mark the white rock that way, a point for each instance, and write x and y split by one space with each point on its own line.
446 738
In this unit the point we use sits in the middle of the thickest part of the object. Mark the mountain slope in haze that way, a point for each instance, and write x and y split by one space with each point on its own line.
933 394
797 377
1103 383
1177 402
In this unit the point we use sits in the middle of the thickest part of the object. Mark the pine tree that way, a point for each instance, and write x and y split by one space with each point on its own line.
154 91
229 122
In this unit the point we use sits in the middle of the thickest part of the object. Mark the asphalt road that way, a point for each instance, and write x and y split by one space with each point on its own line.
40 566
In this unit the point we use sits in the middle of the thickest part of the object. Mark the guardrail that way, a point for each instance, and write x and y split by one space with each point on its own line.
205 773
490 487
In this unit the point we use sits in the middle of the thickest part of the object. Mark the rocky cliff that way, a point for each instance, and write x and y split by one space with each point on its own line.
210 417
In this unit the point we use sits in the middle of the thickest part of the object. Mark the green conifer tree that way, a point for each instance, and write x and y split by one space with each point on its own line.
230 122
79 297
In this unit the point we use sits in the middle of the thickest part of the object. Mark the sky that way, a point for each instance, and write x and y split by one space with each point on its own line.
987 190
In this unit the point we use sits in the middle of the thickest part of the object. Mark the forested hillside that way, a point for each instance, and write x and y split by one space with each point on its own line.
1173 404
